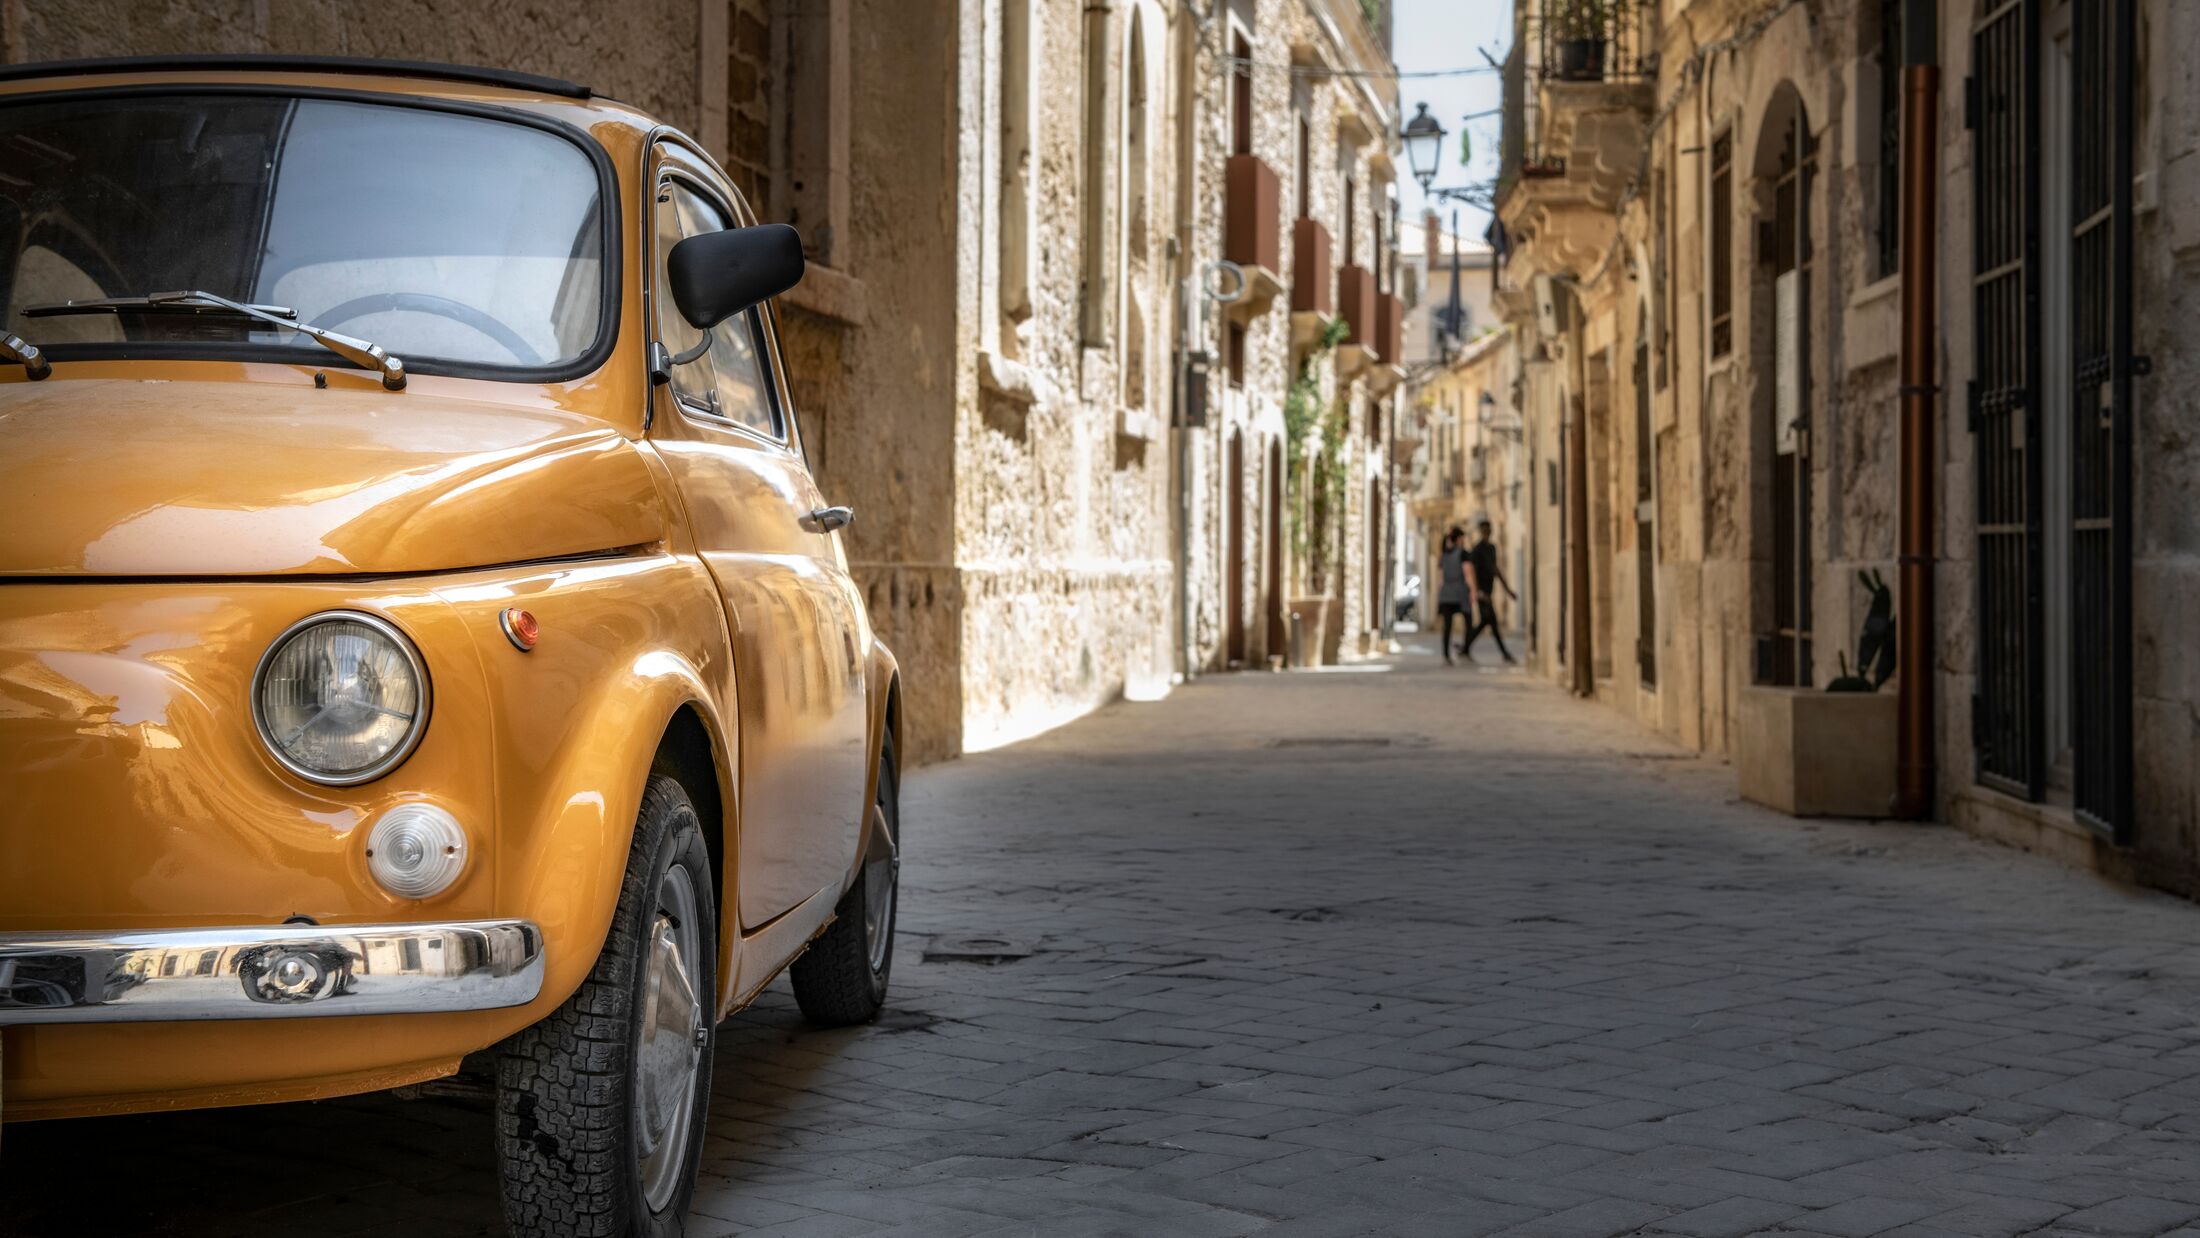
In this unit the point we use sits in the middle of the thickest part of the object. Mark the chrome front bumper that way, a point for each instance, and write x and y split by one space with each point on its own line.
268 971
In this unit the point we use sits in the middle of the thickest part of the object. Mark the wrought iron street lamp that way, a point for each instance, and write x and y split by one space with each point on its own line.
1424 142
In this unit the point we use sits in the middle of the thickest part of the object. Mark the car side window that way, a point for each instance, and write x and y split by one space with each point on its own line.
719 372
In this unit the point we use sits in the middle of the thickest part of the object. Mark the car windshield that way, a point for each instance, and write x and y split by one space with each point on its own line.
460 242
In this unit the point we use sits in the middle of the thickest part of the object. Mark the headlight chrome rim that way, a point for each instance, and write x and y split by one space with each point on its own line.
396 755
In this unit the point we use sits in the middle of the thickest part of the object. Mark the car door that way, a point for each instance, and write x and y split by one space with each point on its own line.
721 422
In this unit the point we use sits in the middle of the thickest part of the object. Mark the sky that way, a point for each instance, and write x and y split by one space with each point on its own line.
1431 35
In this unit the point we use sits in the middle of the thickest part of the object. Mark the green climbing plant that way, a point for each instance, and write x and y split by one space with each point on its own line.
1303 410
1328 504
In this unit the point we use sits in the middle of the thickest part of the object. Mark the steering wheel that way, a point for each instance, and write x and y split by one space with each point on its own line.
441 307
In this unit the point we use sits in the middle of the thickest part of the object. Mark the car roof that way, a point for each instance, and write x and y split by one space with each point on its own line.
256 63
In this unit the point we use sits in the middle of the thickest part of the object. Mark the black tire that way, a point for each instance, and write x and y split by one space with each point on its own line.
838 982
569 1142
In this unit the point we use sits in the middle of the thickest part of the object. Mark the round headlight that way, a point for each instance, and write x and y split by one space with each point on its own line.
340 698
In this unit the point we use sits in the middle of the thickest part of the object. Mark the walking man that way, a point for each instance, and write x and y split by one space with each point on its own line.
1456 593
1487 576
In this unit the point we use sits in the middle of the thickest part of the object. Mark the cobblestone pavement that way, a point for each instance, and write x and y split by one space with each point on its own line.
1391 951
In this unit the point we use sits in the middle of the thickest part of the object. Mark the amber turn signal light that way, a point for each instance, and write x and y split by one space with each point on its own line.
520 628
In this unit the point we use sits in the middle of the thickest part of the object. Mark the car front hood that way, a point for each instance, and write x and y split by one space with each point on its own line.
130 478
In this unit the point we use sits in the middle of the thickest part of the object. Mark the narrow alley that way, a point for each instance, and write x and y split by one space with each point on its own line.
1389 949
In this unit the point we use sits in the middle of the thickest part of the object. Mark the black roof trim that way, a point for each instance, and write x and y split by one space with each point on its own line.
298 64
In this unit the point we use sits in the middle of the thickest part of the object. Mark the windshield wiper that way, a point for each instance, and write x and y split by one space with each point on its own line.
16 348
193 301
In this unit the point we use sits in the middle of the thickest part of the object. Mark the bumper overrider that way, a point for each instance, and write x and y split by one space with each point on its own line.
268 971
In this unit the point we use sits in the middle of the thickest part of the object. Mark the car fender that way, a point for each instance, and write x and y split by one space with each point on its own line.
626 647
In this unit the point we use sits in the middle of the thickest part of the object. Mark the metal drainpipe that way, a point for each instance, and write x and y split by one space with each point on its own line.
1914 745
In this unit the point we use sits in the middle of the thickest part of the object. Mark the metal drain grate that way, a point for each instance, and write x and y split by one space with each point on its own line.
975 949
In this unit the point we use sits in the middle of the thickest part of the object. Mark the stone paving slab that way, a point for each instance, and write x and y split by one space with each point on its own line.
1388 951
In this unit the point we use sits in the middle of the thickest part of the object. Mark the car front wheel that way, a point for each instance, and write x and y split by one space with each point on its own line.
600 1107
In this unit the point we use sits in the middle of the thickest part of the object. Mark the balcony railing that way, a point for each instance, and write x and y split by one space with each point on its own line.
1594 40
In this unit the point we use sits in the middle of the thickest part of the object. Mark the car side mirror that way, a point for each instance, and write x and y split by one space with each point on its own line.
719 274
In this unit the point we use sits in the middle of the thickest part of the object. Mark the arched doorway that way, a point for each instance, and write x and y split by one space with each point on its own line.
1788 159
1233 589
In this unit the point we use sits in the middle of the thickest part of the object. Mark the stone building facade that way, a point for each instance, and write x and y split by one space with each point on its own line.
1432 261
1013 211
1290 482
1701 253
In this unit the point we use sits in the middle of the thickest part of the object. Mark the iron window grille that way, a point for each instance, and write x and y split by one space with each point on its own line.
1887 244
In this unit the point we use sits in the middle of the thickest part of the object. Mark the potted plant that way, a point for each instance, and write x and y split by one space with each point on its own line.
1832 753
1580 27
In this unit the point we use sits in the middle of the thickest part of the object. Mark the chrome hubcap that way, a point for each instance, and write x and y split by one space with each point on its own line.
881 876
673 1037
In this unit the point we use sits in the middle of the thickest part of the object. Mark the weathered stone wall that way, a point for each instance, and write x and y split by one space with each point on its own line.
1711 418
2165 844
1711 424
1350 120
1061 522
2166 574
891 428
645 56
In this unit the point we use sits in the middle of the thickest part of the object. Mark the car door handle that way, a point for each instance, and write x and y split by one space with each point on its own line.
827 519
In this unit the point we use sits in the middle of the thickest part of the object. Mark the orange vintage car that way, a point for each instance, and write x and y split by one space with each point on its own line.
422 644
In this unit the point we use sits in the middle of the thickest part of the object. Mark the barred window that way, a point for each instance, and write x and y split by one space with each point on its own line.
1887 247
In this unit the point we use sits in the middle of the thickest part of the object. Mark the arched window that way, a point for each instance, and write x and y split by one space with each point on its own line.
1787 160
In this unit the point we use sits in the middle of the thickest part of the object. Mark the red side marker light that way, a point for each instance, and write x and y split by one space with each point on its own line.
520 628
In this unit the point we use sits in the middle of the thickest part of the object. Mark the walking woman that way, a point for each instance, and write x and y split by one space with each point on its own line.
1456 596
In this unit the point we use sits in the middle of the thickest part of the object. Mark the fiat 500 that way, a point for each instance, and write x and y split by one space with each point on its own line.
423 647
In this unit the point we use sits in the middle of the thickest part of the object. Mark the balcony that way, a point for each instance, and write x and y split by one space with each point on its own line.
1313 283
1579 90
1356 302
1252 230
1594 40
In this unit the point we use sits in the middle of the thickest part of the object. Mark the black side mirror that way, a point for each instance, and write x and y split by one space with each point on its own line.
719 274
